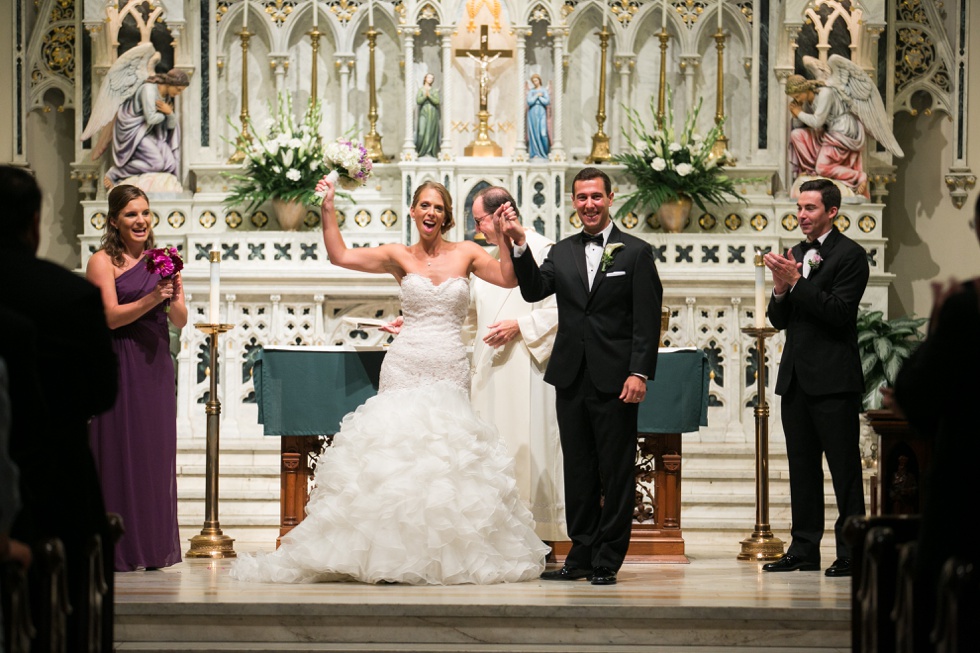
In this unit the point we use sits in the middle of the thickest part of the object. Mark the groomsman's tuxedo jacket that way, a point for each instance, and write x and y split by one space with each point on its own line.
615 327
820 318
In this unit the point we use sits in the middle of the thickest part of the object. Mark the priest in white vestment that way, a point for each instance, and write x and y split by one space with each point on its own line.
512 342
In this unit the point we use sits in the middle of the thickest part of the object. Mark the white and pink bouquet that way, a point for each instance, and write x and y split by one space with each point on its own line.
166 262
349 164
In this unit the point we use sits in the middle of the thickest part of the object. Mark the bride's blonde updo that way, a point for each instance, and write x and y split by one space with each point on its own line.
447 222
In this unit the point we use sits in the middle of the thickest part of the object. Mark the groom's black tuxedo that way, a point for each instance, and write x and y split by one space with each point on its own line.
821 383
604 335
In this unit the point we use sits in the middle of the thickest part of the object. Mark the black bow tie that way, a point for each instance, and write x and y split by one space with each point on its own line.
807 245
597 239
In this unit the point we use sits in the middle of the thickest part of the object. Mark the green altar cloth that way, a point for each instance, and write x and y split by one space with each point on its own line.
308 390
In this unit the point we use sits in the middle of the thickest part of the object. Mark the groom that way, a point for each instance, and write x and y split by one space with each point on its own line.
609 297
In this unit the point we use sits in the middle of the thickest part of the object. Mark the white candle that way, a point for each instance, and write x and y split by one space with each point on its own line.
663 17
215 283
371 14
719 14
245 16
760 291
605 15
316 13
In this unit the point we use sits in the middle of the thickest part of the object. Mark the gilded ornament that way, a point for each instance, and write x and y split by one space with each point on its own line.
867 223
260 219
362 218
707 222
98 220
176 219
733 221
207 219
842 222
389 218
759 221
630 220
233 219
790 222
574 220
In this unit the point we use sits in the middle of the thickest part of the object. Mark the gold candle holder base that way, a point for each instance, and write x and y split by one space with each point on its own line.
762 544
211 542
482 145
600 149
372 143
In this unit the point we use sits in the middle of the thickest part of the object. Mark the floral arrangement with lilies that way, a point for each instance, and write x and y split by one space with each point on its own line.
667 164
284 162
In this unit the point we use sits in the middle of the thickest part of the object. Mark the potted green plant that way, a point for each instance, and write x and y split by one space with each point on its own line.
884 345
282 164
673 169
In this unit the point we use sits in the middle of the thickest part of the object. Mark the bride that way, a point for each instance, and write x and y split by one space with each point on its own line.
415 489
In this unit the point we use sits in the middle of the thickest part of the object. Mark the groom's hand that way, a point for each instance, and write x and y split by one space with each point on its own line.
506 217
634 390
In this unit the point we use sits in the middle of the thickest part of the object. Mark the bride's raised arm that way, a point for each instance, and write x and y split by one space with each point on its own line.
363 259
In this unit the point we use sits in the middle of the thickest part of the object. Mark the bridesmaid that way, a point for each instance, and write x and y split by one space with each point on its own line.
135 442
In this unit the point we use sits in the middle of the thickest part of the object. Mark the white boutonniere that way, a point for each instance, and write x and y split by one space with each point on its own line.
815 261
607 255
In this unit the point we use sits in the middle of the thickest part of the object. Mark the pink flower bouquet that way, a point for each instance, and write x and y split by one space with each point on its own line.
166 262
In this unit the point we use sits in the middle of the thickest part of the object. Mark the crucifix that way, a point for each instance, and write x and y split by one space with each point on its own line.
484 56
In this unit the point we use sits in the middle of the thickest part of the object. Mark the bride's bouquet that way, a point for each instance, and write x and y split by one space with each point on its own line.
349 164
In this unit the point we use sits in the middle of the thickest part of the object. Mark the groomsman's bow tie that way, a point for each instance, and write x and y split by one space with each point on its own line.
807 245
597 239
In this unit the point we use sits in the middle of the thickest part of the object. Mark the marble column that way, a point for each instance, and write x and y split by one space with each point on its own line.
408 47
557 99
520 146
624 65
344 64
279 63
446 32
689 63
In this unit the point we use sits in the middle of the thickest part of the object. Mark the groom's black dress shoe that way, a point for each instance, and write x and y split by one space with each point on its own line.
603 576
791 563
566 573
841 567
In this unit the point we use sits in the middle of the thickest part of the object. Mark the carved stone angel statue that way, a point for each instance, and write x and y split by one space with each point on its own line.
830 116
135 112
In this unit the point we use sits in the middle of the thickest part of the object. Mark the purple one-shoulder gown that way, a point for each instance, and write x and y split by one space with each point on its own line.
135 441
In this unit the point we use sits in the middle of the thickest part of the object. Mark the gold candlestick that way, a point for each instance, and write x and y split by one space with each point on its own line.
314 35
211 542
600 141
761 545
721 145
661 113
372 141
244 138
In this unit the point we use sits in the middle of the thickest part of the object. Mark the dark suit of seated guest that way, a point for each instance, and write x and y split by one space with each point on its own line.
76 368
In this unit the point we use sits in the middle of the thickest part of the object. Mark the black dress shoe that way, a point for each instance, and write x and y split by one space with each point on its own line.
791 563
566 573
841 567
603 576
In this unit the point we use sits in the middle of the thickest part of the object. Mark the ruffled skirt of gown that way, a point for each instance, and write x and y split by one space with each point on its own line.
415 489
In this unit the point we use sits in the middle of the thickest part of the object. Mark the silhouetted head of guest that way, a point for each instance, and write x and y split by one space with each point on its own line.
20 219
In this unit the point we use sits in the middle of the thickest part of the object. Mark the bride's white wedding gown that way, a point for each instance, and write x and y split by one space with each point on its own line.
415 489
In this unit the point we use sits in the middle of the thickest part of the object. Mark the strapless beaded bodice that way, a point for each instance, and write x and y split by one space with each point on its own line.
429 347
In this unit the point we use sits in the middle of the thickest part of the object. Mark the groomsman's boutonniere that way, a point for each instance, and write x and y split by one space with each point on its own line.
607 255
815 261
